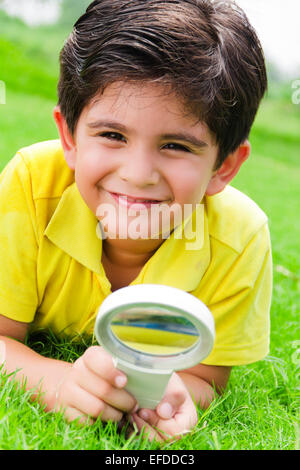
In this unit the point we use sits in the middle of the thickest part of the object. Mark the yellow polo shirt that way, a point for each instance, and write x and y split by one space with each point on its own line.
50 258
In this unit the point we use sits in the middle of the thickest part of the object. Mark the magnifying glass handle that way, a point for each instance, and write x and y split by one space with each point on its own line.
146 385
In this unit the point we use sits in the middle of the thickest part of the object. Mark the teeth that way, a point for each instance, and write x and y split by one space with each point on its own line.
136 200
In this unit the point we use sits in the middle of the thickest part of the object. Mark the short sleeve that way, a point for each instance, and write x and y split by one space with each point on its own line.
18 243
241 306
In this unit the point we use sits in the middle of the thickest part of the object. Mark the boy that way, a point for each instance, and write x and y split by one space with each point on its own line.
156 102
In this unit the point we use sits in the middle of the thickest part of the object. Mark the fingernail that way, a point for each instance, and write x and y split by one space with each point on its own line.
144 414
120 381
166 410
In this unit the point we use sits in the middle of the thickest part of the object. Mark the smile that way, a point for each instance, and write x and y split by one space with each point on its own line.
128 201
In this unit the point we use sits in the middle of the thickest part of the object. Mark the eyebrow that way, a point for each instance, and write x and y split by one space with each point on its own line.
109 124
186 137
182 136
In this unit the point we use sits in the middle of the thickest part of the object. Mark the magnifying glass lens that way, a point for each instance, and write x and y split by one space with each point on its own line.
155 332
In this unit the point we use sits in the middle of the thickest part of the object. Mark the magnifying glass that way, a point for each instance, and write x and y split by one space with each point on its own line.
152 330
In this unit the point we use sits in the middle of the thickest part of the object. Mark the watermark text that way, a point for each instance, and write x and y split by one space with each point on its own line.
296 93
2 92
157 221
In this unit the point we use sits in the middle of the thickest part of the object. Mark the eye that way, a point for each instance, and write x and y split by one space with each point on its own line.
113 136
178 147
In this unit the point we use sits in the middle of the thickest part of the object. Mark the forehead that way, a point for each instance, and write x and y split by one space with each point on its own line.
139 104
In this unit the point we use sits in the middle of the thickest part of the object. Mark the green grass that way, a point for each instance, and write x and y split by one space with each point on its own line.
25 119
257 412
260 408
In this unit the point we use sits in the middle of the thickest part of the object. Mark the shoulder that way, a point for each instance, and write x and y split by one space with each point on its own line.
47 168
234 218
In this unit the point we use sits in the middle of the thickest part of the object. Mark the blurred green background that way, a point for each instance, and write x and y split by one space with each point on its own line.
29 69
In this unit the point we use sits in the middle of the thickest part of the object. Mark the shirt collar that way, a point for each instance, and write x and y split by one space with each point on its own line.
180 261
73 229
183 258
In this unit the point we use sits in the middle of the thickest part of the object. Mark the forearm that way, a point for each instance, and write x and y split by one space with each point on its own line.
201 391
42 374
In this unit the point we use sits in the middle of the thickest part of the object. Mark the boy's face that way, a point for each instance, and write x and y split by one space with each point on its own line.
137 141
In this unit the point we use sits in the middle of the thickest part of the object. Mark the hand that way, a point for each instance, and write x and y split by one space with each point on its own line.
93 387
175 415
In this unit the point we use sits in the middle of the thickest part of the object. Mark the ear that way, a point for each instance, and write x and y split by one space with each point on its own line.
228 169
66 138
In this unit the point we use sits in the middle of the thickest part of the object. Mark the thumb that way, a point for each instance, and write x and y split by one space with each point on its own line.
170 404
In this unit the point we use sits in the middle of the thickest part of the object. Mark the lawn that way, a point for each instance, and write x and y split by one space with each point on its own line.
260 408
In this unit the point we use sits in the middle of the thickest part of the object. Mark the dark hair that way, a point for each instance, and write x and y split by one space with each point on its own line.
206 50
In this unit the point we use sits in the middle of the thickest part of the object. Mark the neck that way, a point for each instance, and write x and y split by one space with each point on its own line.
129 253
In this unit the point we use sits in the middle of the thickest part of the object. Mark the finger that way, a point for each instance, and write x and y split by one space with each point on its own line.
120 399
175 396
148 431
72 414
97 360
166 434
2 352
182 422
170 404
166 429
100 388
150 416
92 406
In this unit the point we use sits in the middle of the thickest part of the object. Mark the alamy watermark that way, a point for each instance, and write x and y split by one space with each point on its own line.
296 359
157 221
2 92
296 93
296 352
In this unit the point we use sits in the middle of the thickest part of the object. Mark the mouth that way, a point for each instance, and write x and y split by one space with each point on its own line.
127 201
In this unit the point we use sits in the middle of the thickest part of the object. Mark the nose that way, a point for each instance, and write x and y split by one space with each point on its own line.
139 169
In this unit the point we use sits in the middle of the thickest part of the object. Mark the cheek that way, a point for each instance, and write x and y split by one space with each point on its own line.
190 186
92 167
